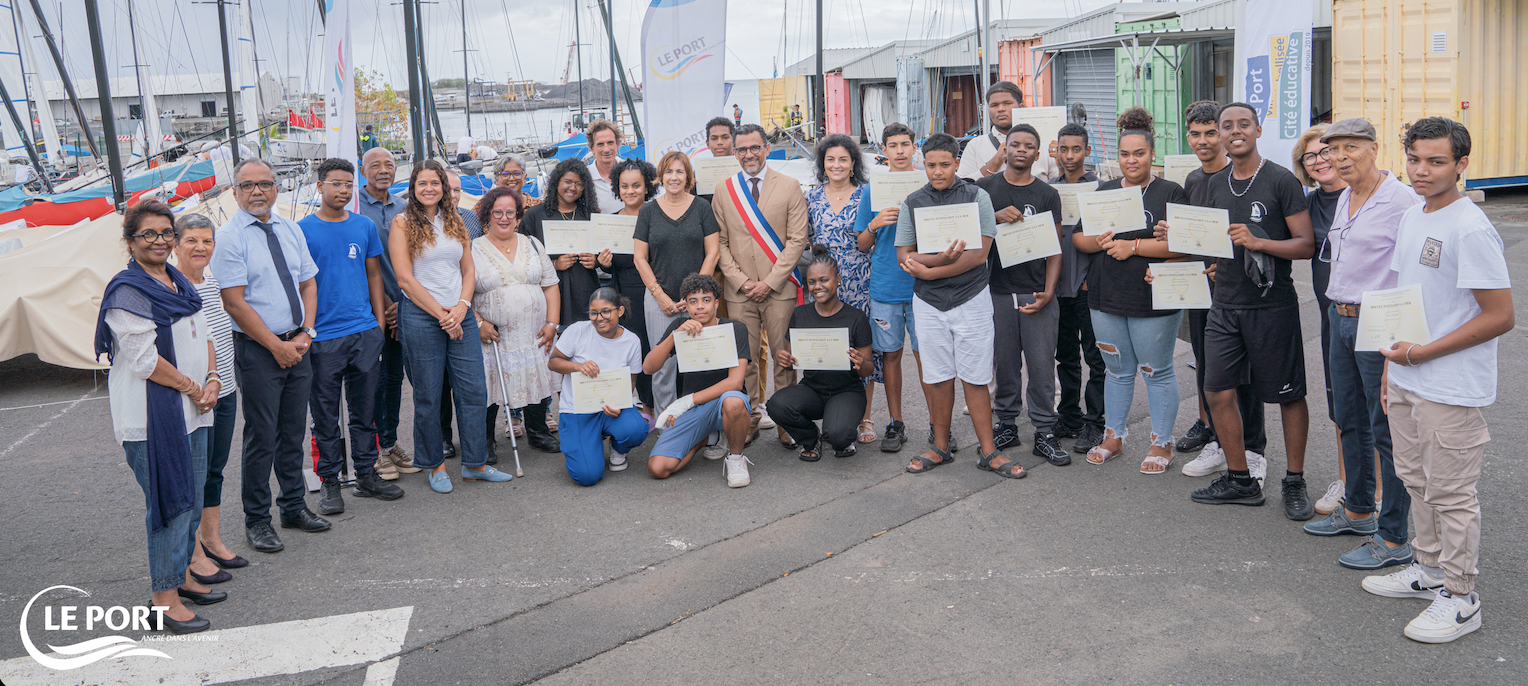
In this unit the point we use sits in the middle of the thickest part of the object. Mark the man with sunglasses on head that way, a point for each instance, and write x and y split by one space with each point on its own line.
267 276
1358 248
347 353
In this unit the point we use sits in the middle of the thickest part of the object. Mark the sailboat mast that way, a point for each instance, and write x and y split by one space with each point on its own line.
103 93
818 83
44 110
578 45
63 74
26 140
466 77
416 119
982 37
152 137
233 127
631 108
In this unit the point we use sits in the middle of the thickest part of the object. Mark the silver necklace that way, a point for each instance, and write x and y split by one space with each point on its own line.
1251 181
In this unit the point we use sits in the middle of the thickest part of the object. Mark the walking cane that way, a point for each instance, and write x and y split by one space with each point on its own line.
504 405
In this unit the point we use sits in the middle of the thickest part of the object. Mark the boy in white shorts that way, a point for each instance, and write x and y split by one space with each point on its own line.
1434 392
953 310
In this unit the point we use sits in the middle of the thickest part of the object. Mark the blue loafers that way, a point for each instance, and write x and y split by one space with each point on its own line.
1375 554
1338 524
440 482
485 474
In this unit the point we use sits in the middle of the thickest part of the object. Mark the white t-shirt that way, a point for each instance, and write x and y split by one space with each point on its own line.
1449 253
464 145
582 343
604 193
486 154
980 151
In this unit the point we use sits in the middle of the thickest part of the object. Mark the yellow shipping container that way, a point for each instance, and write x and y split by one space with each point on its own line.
1396 61
776 97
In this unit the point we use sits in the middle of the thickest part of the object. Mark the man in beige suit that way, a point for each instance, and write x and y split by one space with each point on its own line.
758 289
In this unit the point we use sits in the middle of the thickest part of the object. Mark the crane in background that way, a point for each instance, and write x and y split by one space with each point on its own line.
568 69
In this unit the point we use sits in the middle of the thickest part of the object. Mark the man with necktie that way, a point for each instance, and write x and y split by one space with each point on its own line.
266 273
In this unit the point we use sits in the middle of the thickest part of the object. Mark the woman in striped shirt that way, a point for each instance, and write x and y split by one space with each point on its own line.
192 253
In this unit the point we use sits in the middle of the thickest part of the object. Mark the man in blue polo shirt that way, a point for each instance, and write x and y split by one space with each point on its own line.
380 206
347 352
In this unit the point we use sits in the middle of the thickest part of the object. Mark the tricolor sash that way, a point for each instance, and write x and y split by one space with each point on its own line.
769 241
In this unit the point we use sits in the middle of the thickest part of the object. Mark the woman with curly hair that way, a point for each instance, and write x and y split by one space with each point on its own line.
570 198
635 181
433 260
517 307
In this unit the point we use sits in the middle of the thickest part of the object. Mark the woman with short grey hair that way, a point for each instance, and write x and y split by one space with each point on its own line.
512 172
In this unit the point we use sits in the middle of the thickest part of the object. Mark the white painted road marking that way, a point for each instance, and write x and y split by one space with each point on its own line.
251 652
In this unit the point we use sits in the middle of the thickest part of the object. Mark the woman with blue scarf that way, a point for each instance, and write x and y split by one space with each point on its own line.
162 386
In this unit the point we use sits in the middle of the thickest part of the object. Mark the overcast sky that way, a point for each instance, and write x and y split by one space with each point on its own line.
511 38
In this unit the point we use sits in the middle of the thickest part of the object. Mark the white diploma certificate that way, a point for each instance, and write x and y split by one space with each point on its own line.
710 171
714 348
826 349
1070 214
1030 238
1119 210
612 232
1392 315
1179 286
889 189
612 387
1199 230
939 226
1175 168
565 237
1046 120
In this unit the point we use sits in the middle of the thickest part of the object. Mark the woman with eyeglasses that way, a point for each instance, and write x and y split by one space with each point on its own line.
593 348
1313 167
162 387
635 181
517 303
510 172
433 261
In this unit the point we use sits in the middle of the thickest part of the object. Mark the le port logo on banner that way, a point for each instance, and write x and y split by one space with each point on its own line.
1273 83
67 619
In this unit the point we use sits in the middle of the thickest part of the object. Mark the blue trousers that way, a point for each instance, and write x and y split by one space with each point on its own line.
433 357
1365 429
583 439
170 548
389 398
218 447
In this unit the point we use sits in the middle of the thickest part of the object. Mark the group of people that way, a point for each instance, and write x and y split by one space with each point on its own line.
482 319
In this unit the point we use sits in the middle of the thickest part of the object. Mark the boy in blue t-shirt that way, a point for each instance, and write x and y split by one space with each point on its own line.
348 348
891 289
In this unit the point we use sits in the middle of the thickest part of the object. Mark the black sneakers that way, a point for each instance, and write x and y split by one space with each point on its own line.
1198 436
1006 435
1089 438
1046 447
1062 431
370 485
330 501
893 437
1224 491
1297 504
953 448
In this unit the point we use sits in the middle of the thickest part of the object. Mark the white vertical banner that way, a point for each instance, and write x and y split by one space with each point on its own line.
684 48
339 74
1273 60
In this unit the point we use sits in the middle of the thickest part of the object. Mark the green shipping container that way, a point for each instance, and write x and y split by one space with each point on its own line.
1164 91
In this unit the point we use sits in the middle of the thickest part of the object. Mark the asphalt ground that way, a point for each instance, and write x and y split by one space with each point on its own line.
845 571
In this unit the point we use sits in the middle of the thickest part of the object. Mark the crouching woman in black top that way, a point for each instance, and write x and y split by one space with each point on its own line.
835 397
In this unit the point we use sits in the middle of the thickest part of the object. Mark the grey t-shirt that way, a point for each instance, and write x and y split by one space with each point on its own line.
675 248
951 292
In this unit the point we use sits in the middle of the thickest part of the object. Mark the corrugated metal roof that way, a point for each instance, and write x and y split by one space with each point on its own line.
960 51
1214 13
1100 22
881 63
832 60
164 84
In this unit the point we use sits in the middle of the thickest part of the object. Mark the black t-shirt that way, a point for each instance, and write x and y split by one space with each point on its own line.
1273 195
1119 286
1197 184
847 317
676 248
694 382
1036 198
1323 209
577 283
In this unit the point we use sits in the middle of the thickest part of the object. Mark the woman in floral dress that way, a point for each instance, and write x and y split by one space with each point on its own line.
517 302
832 207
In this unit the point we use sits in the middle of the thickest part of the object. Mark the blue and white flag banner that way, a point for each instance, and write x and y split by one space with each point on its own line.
684 59
1273 65
339 79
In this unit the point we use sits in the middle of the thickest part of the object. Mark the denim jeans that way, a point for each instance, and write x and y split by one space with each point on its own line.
389 396
170 548
1144 344
1365 429
218 447
432 357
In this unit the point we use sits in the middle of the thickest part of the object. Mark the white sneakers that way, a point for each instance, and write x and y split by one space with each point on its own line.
617 462
1336 494
764 421
714 449
1210 460
1411 582
1256 464
737 471
1449 617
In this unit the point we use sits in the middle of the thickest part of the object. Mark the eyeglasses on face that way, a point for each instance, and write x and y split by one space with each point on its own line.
749 150
602 314
1310 158
340 185
252 186
500 214
151 237
512 174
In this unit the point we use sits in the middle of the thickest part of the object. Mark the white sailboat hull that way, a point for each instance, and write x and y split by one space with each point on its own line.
297 150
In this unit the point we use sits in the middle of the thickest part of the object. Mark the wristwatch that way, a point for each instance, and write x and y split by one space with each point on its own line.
312 333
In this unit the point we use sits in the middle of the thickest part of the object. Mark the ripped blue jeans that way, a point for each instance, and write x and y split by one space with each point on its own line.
1144 345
